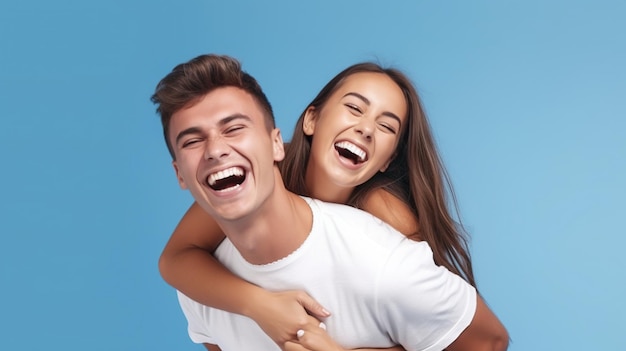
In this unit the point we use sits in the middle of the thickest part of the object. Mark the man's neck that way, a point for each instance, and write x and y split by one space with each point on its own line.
273 232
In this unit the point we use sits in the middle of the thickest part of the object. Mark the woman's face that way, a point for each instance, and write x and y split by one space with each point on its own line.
354 135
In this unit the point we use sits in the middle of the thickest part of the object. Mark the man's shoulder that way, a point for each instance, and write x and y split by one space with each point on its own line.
343 213
332 208
349 221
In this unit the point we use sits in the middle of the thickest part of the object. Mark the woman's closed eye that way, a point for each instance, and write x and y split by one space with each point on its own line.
354 108
388 128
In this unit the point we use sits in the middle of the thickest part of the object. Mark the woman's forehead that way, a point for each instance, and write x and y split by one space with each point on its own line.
376 87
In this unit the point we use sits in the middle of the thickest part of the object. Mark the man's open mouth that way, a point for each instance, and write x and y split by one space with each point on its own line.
226 179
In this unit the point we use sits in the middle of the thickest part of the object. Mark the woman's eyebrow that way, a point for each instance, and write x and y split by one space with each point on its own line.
367 102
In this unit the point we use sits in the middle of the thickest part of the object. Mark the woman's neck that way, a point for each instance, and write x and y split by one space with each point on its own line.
320 188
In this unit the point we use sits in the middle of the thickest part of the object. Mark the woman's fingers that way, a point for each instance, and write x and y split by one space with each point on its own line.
294 346
313 337
283 313
312 306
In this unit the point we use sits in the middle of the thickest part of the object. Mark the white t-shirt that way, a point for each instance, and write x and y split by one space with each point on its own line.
382 288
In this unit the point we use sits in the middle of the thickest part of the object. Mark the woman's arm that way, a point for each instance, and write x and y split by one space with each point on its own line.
392 210
187 264
485 332
313 337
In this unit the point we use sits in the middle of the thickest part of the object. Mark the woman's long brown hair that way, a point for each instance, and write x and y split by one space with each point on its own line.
416 175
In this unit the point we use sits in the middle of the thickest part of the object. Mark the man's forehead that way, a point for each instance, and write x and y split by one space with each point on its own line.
219 104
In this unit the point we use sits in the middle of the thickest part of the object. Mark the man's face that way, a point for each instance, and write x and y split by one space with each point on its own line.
225 154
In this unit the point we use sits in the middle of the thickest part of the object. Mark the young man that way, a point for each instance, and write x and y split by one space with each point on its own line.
383 289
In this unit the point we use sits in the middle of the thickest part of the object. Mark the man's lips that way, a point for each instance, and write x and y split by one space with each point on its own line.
226 179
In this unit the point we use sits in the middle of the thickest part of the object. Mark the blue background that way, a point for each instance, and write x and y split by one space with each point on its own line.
526 98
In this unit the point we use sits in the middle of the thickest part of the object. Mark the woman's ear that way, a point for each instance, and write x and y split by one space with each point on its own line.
386 165
308 124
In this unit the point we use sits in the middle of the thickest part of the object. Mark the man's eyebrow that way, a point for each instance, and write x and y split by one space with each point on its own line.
367 102
236 116
183 133
222 122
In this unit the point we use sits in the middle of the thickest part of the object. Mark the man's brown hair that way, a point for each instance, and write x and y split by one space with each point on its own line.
190 81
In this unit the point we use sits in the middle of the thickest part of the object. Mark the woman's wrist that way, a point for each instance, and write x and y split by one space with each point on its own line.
253 301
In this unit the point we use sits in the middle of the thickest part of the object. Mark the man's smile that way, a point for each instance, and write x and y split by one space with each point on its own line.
226 179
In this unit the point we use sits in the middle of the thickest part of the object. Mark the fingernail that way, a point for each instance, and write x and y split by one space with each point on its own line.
322 325
325 312
300 333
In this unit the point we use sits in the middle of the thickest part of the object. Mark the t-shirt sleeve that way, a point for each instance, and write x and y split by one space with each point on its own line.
424 306
196 326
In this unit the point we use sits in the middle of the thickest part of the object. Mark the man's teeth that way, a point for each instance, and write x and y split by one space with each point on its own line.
233 171
352 148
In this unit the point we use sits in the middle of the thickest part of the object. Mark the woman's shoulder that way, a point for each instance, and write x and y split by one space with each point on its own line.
391 209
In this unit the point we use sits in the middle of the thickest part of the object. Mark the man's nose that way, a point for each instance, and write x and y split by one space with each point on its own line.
216 148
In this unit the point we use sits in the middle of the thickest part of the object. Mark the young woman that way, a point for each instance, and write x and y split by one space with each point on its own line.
364 141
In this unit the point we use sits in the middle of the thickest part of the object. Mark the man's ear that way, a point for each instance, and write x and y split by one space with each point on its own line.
181 181
308 124
278 145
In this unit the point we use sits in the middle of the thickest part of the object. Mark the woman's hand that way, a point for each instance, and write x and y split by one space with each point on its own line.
283 317
312 337
282 314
